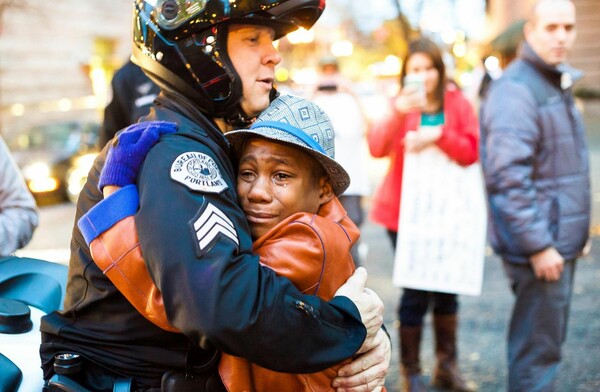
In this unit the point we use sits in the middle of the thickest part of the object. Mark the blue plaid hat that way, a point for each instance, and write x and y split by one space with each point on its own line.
298 121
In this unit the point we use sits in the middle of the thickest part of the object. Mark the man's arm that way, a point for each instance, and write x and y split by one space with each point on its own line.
321 313
213 287
508 165
366 372
18 211
215 290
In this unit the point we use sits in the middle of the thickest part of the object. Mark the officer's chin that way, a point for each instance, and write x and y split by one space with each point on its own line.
252 108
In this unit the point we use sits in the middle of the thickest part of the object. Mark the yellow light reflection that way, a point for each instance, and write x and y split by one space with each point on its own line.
41 185
459 49
18 109
65 104
282 74
304 76
301 36
492 63
342 48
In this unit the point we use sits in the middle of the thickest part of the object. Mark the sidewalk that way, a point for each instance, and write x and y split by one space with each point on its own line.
484 319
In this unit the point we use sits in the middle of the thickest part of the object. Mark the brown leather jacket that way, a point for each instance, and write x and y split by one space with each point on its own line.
313 251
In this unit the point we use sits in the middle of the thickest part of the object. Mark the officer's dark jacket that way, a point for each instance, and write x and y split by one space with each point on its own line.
535 159
197 248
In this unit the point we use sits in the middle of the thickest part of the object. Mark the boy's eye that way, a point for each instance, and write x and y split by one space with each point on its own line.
246 175
280 178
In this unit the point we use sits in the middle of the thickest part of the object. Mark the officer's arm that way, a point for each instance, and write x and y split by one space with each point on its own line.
197 247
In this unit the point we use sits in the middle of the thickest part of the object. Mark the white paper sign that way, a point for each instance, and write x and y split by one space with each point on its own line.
442 226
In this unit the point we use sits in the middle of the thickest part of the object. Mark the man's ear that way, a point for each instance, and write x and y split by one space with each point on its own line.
527 28
326 190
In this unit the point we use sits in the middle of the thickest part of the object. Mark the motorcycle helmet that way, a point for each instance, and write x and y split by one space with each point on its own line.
182 45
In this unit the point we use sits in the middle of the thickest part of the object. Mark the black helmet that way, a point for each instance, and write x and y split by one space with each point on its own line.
182 44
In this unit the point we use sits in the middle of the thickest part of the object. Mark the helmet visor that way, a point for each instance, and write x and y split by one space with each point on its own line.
170 14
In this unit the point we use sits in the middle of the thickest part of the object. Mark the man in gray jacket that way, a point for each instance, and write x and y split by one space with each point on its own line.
18 211
535 162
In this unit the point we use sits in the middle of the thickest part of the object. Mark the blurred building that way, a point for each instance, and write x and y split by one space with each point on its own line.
503 14
57 57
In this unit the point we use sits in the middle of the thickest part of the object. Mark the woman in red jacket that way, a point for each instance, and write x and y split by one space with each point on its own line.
453 127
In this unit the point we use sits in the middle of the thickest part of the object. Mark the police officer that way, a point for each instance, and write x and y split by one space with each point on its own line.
132 96
214 61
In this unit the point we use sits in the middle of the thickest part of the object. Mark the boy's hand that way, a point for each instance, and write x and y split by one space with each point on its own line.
128 151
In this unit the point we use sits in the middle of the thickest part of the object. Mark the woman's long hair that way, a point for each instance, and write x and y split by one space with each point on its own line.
429 48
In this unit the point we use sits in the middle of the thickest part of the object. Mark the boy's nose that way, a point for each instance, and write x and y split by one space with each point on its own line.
260 190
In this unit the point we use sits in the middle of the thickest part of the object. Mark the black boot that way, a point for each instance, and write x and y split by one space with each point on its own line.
410 343
446 374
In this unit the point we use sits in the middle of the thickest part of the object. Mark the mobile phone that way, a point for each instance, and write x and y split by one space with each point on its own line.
417 80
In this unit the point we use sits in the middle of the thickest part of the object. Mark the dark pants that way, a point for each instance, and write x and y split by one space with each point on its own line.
352 205
415 303
538 327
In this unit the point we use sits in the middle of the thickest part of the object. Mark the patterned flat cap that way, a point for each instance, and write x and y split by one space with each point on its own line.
298 121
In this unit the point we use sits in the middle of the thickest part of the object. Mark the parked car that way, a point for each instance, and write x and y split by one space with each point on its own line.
55 158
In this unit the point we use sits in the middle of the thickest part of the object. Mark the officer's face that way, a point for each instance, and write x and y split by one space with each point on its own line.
275 181
254 57
551 32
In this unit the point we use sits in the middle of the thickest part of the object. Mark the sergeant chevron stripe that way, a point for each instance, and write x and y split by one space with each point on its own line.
210 224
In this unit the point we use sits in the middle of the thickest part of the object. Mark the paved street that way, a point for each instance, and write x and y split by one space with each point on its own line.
483 318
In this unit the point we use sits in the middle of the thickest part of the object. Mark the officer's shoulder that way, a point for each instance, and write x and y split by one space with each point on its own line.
178 143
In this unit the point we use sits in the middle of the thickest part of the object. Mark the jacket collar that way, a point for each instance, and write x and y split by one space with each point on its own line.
563 75
333 210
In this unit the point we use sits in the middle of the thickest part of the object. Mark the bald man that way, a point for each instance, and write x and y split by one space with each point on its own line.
535 160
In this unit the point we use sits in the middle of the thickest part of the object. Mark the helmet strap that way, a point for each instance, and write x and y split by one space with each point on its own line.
239 119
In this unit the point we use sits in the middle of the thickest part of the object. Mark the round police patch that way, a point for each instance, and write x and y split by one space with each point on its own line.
198 172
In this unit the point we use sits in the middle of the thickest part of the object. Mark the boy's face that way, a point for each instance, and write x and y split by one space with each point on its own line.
251 50
276 180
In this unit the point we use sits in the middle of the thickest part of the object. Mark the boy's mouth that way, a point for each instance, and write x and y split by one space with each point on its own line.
258 217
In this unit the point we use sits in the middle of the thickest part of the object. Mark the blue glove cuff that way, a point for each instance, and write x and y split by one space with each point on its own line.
107 212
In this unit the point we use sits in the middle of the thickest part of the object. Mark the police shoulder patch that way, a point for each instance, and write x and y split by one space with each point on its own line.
199 172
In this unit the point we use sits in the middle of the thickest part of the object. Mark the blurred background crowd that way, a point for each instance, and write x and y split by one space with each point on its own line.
58 59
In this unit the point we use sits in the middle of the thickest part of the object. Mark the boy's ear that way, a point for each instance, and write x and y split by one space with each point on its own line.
326 190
